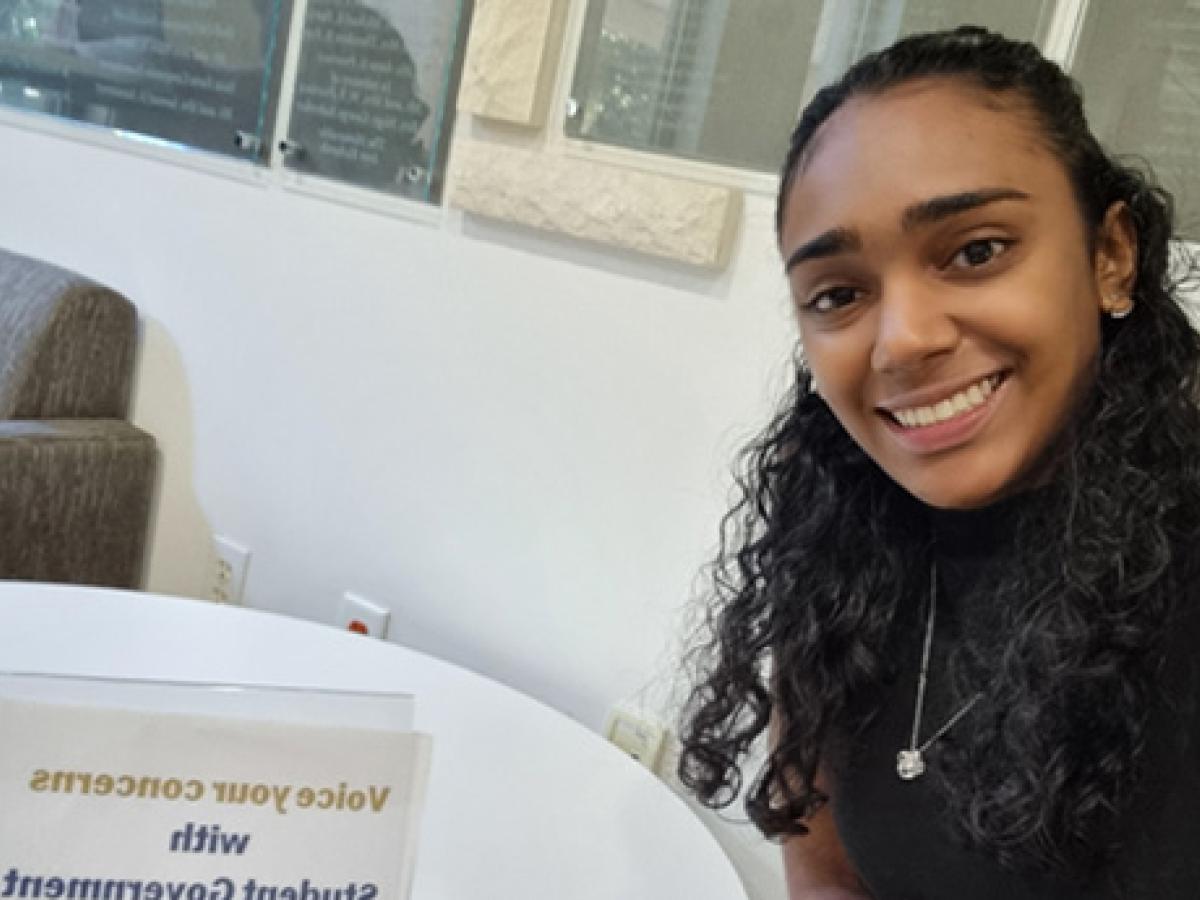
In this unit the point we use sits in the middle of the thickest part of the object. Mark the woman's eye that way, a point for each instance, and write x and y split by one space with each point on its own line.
832 299
978 253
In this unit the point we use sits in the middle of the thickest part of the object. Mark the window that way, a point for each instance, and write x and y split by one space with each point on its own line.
723 80
367 105
1141 77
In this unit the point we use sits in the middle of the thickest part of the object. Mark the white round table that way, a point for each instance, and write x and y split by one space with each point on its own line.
523 803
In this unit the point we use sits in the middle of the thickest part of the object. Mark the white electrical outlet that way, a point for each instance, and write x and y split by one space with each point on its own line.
641 738
363 616
229 570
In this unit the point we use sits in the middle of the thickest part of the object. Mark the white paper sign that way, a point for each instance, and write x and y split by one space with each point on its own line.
117 804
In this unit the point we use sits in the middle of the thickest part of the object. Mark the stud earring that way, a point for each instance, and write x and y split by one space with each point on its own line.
1119 312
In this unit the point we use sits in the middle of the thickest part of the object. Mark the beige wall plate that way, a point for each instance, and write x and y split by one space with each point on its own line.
659 215
511 59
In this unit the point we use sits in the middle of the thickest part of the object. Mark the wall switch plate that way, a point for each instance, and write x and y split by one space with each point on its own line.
640 737
229 570
363 616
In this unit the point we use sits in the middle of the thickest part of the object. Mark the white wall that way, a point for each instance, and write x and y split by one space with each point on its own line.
518 443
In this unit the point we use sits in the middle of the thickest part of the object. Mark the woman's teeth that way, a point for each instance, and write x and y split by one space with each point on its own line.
964 401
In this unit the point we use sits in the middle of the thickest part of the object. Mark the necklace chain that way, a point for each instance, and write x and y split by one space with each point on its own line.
910 763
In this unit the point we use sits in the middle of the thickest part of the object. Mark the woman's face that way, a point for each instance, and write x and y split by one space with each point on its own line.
947 299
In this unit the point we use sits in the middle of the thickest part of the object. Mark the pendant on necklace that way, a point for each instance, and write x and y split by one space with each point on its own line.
909 764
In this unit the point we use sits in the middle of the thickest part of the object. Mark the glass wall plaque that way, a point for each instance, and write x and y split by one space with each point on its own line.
374 92
201 73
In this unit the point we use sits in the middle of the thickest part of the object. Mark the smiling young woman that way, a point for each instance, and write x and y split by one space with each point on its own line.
959 586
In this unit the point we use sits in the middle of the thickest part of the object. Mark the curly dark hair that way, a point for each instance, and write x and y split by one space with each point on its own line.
821 544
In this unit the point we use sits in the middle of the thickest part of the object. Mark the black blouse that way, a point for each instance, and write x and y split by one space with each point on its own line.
896 832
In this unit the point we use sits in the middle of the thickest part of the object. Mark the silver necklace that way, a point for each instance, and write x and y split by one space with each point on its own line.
910 763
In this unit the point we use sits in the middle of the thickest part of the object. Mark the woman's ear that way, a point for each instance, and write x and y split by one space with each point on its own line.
1116 260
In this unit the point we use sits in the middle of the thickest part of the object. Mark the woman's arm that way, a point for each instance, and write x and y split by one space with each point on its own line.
815 864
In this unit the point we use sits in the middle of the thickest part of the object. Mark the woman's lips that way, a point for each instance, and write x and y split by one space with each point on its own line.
950 433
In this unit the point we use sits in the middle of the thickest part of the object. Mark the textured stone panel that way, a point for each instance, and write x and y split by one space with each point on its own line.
510 59
641 211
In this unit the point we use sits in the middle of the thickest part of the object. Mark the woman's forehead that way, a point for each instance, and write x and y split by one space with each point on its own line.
929 137
927 106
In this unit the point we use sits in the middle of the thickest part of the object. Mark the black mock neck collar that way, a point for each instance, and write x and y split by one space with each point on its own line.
985 532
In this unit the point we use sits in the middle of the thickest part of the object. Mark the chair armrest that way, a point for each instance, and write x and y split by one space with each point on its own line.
66 343
75 499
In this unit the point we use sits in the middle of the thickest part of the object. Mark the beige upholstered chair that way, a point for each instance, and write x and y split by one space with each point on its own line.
76 478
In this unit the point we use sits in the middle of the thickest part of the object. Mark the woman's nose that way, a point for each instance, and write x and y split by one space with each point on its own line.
913 326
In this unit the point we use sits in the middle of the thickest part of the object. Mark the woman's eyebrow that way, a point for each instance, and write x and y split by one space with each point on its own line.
927 212
829 243
924 212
